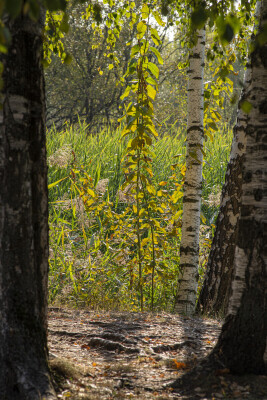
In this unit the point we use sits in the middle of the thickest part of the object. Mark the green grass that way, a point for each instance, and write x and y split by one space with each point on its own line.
83 269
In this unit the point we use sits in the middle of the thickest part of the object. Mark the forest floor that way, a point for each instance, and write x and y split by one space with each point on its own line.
115 355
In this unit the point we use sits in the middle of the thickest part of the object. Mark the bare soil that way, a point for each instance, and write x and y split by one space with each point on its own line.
114 355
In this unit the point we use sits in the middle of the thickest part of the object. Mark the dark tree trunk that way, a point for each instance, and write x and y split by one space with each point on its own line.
242 345
24 372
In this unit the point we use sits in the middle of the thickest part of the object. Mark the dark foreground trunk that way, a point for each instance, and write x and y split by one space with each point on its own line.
242 343
24 372
215 293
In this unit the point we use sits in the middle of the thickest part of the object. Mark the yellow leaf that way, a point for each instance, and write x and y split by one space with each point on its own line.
151 190
178 214
141 29
151 92
145 11
91 192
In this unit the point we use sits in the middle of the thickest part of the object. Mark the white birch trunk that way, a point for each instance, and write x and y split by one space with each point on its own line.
189 250
215 292
216 289
254 186
242 343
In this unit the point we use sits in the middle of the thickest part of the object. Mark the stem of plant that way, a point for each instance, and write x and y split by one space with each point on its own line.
138 233
153 268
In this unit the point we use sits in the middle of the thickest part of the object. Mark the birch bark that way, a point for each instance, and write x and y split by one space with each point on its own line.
24 372
216 289
242 343
189 249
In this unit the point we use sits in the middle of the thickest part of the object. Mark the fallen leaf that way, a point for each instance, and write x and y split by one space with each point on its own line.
180 365
224 371
84 346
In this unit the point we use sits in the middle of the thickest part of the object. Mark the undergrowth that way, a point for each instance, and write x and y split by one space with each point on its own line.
92 213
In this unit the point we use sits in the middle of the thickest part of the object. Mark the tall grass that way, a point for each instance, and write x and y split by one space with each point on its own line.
82 269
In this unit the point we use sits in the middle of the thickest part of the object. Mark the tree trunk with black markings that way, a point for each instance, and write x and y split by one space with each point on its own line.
216 289
24 372
189 249
242 345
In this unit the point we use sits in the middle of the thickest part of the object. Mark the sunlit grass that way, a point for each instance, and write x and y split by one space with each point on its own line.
82 270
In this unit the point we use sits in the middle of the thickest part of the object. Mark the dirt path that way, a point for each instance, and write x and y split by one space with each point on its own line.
135 356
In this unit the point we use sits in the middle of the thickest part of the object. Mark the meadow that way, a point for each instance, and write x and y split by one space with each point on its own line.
93 256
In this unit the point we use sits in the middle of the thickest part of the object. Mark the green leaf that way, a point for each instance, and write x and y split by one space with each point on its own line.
158 18
157 54
141 29
13 7
34 9
134 50
126 93
209 134
213 126
199 17
64 26
153 69
234 22
55 183
55 5
228 34
155 36
246 106
152 82
67 59
3 49
261 38
154 32
153 130
227 27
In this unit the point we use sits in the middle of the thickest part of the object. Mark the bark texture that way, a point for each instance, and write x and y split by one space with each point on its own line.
189 250
242 343
24 372
216 289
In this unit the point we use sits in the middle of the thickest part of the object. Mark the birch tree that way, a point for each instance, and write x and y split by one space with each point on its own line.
242 343
24 372
216 289
189 249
